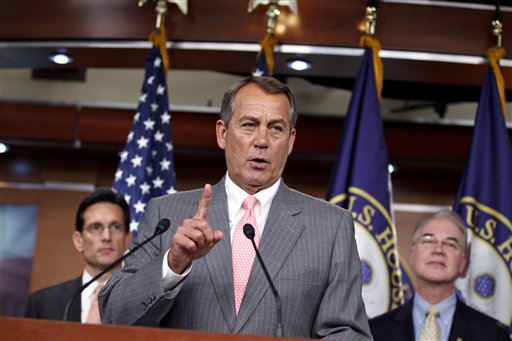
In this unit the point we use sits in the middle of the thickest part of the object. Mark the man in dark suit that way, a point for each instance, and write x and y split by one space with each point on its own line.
201 274
439 255
101 235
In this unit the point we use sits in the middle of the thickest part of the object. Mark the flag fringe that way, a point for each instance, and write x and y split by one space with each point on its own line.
267 47
159 39
494 55
375 46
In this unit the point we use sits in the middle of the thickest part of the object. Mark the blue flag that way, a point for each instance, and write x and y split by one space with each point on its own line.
360 182
146 166
484 201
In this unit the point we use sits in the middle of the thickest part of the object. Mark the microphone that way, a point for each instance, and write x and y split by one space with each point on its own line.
249 233
161 227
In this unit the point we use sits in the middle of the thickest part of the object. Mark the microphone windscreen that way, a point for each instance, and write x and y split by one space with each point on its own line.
163 225
249 231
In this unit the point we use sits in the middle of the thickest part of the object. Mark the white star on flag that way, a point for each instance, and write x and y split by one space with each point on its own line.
146 167
142 142
149 124
160 89
139 207
145 187
124 155
165 164
130 181
159 136
136 161
119 174
166 118
157 182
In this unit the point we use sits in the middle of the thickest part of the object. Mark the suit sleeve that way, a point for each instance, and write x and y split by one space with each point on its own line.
31 311
135 295
341 314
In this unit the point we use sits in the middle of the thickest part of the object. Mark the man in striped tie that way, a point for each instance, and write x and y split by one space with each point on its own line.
439 255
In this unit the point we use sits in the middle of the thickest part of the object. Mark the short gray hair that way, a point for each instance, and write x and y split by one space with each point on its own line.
269 84
452 216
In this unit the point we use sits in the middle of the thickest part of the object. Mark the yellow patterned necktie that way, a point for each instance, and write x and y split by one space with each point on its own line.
430 331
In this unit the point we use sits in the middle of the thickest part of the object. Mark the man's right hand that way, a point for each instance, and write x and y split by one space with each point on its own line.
194 238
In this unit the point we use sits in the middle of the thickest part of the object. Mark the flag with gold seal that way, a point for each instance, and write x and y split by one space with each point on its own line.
484 201
360 182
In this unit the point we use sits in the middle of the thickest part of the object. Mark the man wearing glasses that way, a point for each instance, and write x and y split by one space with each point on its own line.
439 255
101 235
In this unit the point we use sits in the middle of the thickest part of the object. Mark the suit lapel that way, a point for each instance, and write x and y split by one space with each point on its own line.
462 324
403 328
218 261
75 311
279 236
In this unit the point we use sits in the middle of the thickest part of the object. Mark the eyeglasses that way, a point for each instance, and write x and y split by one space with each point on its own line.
97 229
430 242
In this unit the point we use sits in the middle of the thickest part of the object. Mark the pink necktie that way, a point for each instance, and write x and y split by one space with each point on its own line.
94 312
243 251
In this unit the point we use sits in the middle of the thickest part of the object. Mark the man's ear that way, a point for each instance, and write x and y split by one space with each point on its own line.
465 265
127 239
78 241
220 130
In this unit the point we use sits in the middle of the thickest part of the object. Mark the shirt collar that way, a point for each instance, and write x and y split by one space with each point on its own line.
237 195
446 308
89 291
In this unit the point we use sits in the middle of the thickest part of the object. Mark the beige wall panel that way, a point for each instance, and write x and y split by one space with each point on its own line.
55 258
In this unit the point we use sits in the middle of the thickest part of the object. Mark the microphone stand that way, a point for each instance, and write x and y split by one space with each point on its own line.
161 227
249 233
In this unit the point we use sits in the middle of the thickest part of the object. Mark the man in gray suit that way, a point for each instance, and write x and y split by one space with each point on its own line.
186 278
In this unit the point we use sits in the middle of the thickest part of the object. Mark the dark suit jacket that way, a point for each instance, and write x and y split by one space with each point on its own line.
49 303
308 246
468 324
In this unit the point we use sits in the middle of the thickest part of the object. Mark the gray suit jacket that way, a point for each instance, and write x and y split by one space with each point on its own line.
308 247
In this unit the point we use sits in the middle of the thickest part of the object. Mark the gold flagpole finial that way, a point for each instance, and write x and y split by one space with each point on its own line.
497 26
370 19
273 10
292 4
161 9
497 30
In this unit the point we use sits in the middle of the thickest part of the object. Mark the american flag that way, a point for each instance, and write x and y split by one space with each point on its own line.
146 166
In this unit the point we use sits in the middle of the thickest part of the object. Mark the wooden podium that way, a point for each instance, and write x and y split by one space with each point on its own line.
32 329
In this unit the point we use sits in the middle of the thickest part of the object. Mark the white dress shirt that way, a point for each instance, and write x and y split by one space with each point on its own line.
86 296
236 196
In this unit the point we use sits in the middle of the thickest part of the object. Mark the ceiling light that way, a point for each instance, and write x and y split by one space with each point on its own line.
61 57
392 168
299 64
3 148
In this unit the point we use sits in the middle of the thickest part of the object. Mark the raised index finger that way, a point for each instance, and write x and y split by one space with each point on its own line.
204 203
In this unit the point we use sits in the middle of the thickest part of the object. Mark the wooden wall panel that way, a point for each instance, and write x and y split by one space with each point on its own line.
55 257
